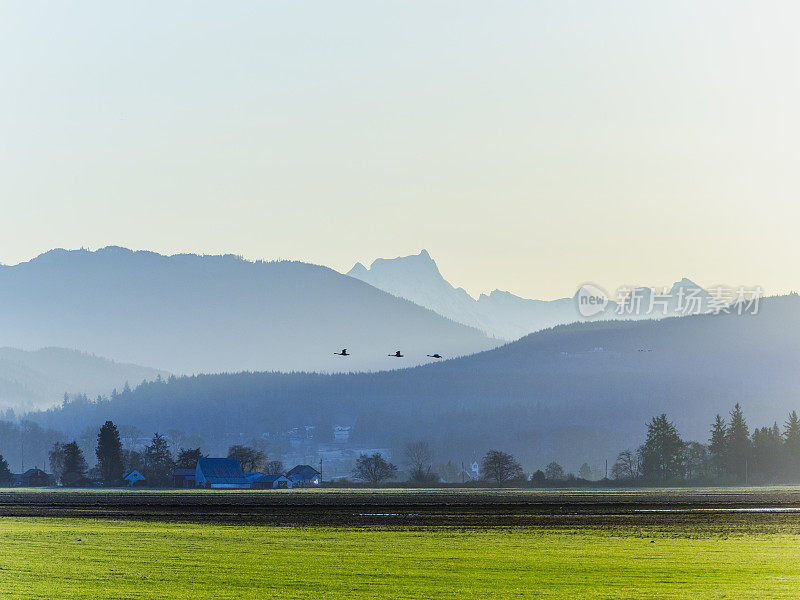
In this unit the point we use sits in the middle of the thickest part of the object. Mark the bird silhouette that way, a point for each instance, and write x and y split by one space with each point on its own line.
396 355
342 353
437 355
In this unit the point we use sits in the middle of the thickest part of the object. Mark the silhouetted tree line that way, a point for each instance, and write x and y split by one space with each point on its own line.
733 455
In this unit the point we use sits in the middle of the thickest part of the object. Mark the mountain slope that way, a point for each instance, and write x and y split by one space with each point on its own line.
574 393
39 379
191 313
502 314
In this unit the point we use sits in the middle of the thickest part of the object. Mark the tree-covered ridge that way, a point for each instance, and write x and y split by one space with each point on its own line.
573 394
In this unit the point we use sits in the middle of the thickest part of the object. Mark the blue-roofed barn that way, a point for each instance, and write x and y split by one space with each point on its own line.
252 476
220 473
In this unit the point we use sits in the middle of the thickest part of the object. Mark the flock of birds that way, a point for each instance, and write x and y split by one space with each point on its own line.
397 354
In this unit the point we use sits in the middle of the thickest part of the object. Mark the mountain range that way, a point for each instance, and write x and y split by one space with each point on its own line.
573 393
502 314
188 313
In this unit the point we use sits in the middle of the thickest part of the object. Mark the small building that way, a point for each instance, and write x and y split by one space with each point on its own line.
36 478
133 478
304 476
341 433
266 482
183 478
31 478
252 476
220 473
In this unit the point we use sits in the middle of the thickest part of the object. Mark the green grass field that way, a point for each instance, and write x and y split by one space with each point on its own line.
81 558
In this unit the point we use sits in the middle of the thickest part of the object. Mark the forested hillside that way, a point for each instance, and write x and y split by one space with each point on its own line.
571 393
39 379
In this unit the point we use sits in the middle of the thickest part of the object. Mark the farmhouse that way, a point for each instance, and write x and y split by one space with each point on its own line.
36 478
32 478
304 476
220 473
133 477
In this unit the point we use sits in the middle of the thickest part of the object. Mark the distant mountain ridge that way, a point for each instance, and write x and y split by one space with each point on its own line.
417 278
499 314
39 379
574 393
189 313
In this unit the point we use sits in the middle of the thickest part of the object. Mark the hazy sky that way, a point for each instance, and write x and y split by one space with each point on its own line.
529 146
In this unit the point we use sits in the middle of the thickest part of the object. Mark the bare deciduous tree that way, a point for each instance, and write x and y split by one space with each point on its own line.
627 466
56 458
275 467
419 458
554 471
374 469
250 459
500 467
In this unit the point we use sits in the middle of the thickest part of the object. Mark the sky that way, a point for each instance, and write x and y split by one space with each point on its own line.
528 146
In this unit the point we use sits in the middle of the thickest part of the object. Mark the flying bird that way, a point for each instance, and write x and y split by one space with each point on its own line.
342 353
396 355
437 355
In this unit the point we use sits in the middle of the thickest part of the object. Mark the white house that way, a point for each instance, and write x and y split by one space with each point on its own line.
304 476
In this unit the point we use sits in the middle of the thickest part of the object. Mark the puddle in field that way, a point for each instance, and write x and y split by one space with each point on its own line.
387 515
767 509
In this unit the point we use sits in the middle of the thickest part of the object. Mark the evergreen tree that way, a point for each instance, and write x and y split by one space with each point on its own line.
767 455
717 445
791 438
74 474
718 434
696 461
661 454
109 454
737 445
132 460
5 472
188 458
158 462
538 479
